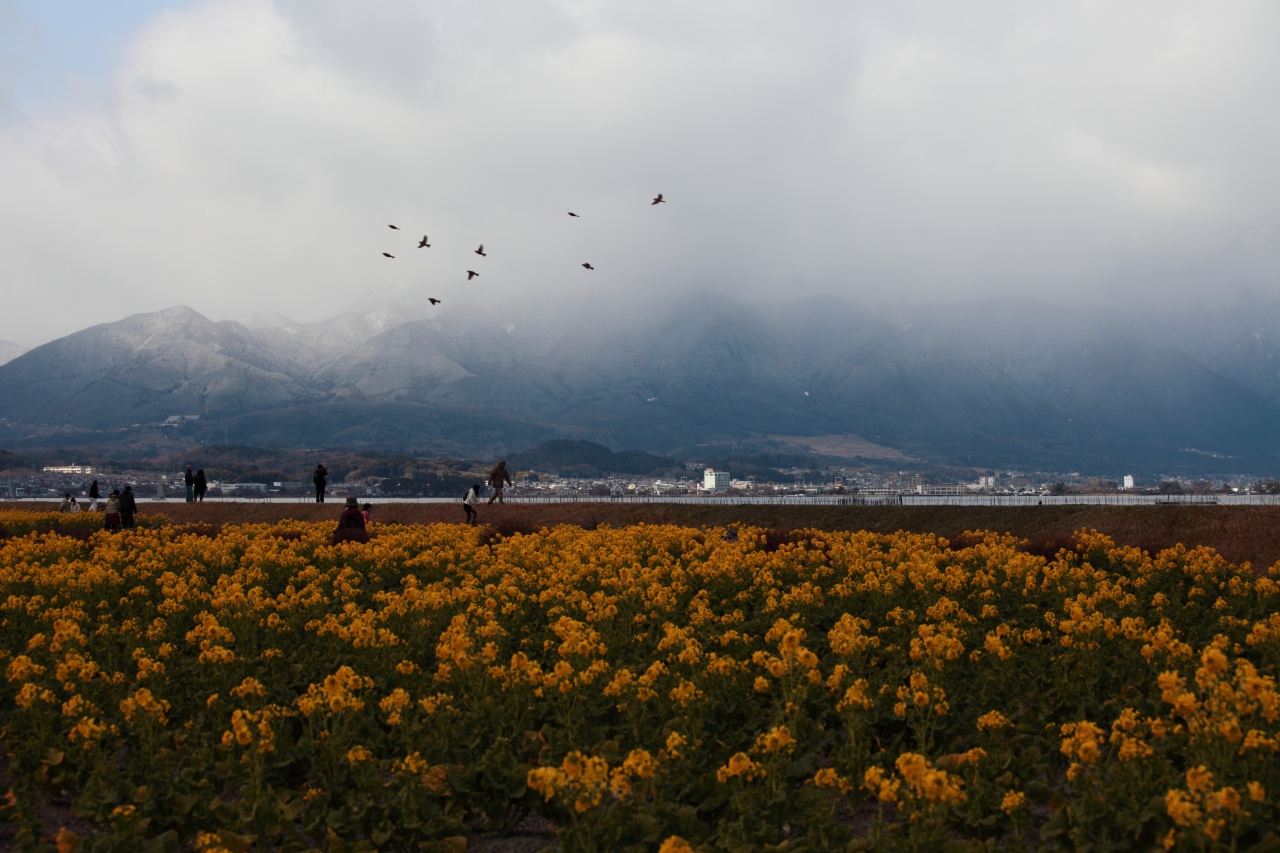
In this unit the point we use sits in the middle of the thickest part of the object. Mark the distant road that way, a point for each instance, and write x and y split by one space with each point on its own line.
795 500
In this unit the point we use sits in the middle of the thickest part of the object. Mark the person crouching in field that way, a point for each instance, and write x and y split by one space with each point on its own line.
498 478
351 524
469 501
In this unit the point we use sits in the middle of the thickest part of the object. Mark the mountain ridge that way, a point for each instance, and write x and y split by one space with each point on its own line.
1034 387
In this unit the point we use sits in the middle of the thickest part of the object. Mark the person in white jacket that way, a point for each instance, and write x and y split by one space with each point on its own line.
469 502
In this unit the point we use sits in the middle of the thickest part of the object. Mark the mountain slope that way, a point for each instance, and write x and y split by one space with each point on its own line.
1032 386
147 367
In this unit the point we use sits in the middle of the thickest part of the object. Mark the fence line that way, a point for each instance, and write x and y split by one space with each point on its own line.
795 500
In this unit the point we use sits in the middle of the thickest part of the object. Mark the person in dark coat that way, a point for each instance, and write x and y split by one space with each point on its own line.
201 485
93 496
351 524
128 508
190 480
498 478
111 519
320 479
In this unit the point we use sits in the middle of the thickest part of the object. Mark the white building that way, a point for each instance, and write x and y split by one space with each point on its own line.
715 481
1128 481
68 469
944 489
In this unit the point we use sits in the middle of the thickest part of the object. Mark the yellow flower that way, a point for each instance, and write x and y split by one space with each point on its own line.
22 668
358 754
249 687
777 739
885 788
675 844
1012 802
993 720
66 841
740 765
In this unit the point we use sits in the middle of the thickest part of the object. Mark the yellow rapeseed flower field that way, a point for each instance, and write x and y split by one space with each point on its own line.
651 688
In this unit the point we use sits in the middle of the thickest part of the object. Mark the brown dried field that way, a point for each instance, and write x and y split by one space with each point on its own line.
1240 533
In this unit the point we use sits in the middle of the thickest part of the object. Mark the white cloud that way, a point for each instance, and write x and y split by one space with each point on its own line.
247 156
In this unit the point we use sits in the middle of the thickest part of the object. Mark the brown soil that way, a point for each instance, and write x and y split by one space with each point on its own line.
1239 533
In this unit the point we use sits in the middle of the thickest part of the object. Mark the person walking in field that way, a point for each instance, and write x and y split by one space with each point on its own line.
128 508
469 501
93 496
111 520
201 485
190 480
320 479
498 478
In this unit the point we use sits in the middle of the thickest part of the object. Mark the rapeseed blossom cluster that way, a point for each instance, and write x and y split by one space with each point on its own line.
647 688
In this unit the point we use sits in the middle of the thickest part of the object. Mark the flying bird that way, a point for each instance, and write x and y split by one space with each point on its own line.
588 266
433 300
571 213
471 274
423 244
385 255
393 227
480 251
658 200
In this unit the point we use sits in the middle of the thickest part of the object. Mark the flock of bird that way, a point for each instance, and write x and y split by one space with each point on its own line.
424 243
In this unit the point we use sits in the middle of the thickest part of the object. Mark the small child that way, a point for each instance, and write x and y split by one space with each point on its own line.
365 510
469 502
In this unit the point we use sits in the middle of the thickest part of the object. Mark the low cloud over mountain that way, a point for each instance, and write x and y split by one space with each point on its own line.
1000 384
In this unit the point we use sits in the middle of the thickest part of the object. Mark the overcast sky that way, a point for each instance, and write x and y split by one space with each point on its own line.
244 156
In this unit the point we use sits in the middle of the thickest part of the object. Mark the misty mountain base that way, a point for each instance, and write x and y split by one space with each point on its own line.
650 688
1053 390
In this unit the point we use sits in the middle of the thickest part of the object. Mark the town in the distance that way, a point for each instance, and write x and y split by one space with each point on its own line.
567 469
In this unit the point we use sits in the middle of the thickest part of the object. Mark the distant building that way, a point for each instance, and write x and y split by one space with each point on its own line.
243 487
715 481
942 489
179 420
68 469
1128 481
